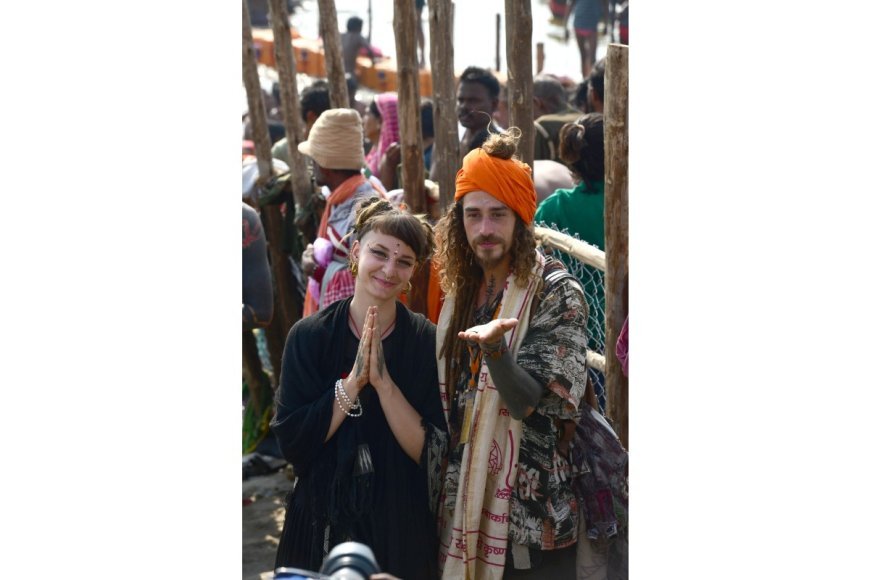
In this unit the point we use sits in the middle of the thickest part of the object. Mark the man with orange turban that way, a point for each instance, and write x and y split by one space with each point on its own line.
511 346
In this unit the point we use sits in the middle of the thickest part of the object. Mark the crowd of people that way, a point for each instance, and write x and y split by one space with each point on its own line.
442 439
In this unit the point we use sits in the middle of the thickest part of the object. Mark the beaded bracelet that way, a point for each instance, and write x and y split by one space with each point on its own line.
346 398
341 394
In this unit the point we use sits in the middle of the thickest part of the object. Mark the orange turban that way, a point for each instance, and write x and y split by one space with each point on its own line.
507 180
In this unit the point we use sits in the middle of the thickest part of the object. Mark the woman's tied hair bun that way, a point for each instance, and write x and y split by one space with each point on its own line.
370 208
581 146
571 143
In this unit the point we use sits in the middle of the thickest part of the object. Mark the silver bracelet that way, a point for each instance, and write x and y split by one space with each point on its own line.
346 398
340 394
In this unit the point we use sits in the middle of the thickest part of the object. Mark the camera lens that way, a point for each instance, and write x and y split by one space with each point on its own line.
293 574
350 560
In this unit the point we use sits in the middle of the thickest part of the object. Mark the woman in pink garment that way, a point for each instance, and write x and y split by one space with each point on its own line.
383 114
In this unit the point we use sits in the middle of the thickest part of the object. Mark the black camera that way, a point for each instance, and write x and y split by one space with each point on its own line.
347 561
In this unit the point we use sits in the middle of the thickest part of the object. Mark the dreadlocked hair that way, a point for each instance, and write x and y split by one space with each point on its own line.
376 214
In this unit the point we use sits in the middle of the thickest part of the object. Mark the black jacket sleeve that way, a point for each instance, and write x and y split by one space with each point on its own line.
303 406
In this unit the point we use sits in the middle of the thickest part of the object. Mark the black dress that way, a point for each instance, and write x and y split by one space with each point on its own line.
385 503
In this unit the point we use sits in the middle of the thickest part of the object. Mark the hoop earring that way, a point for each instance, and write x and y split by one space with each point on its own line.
408 289
353 268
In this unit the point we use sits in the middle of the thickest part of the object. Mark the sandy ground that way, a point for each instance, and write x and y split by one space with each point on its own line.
262 520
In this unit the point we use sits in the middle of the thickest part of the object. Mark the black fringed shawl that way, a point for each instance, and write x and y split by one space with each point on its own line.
387 508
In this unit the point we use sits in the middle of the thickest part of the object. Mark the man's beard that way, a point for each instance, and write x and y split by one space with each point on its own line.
489 261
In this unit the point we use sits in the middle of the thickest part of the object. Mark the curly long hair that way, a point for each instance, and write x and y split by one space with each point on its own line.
459 273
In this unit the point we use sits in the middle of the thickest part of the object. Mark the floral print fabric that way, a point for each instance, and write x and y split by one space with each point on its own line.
544 508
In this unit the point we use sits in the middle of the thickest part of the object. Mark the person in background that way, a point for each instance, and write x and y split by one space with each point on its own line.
381 124
352 42
335 144
579 97
595 88
550 176
313 100
477 103
390 174
586 14
477 98
580 210
551 111
358 411
622 20
257 303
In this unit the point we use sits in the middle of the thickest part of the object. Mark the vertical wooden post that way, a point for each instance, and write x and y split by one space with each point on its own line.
290 110
252 371
518 28
616 228
444 99
271 215
497 41
369 37
410 131
338 96
539 57
256 106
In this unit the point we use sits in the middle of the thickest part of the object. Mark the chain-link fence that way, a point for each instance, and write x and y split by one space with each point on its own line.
586 262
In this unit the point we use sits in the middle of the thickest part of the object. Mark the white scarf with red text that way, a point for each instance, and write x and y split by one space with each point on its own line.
474 534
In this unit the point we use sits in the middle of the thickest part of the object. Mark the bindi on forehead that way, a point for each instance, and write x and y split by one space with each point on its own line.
396 250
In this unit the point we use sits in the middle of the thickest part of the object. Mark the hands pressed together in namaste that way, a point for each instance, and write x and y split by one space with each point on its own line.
370 367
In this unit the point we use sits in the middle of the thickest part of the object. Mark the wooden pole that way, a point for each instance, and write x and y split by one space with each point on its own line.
256 106
616 228
539 57
271 216
290 109
252 371
338 96
369 37
518 28
497 41
444 99
410 131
